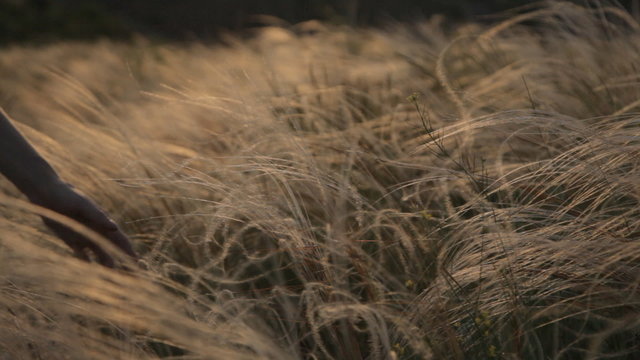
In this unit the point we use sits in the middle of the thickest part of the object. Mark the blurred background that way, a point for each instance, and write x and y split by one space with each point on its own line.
48 20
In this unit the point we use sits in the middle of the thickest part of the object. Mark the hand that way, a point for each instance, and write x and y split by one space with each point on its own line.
63 199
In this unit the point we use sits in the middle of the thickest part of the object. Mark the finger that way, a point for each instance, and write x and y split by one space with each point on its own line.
70 237
79 243
121 241
92 216
81 254
102 257
96 219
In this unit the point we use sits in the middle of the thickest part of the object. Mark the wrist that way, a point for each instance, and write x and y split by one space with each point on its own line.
40 181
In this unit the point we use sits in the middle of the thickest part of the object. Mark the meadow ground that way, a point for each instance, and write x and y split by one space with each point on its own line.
419 192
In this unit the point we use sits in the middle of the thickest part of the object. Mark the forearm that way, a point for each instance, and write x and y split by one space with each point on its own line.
21 163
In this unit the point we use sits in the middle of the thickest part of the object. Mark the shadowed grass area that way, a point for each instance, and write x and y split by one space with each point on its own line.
399 194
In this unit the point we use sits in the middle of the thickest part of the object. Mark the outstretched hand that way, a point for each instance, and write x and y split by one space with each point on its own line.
63 199
32 175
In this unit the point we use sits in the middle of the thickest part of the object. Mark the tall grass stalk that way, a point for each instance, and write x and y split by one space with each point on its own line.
289 202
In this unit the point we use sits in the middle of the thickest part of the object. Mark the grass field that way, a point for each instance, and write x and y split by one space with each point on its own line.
419 192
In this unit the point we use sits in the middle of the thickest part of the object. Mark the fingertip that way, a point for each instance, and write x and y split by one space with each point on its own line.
81 254
110 225
102 223
121 241
103 258
95 218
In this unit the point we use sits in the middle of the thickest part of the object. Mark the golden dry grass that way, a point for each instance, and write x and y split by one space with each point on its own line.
291 198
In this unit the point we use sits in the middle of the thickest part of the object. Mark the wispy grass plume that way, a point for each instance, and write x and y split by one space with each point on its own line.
291 199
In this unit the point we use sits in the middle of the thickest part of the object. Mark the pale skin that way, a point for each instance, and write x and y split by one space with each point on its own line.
35 178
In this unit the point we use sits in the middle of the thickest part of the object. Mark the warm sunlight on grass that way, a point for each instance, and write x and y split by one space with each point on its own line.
414 193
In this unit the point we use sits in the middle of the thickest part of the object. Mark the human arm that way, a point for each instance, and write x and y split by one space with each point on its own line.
34 177
22 164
